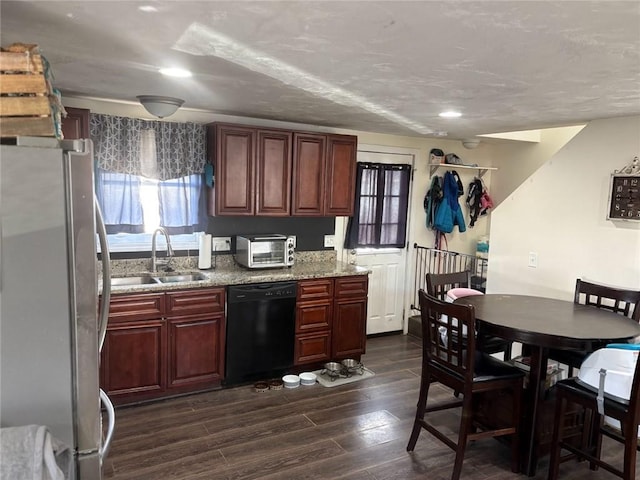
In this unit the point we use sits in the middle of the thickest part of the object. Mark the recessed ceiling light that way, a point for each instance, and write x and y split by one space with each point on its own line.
147 8
175 72
450 114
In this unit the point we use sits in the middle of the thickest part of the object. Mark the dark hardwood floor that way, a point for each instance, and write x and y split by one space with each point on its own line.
357 431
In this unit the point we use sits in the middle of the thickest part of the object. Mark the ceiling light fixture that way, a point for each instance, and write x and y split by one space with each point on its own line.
147 8
470 143
450 114
175 72
160 106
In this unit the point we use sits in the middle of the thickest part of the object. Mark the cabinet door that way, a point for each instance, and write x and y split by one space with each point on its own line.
349 328
273 173
76 124
195 351
350 316
340 181
308 174
234 169
133 362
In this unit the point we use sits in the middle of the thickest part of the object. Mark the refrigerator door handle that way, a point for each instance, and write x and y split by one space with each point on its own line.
103 317
111 416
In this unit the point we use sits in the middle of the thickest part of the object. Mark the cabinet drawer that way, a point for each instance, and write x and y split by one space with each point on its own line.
314 316
189 302
352 286
313 347
144 306
315 289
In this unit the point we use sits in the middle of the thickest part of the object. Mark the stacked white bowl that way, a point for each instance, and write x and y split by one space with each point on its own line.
291 381
307 378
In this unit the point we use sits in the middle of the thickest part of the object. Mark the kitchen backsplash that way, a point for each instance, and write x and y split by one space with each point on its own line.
309 231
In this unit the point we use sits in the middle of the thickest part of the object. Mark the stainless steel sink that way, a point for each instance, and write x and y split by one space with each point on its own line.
151 279
182 277
139 280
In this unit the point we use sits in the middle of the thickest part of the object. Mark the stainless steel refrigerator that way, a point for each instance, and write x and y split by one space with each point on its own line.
50 327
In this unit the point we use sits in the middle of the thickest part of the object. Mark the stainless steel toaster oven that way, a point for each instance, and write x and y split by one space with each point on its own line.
265 251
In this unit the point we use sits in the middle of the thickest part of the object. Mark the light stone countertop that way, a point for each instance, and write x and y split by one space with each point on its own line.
234 275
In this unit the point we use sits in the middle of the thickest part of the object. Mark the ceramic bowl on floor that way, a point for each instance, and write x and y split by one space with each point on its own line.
307 378
291 381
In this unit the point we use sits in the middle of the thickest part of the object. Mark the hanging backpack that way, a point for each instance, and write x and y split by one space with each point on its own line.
474 200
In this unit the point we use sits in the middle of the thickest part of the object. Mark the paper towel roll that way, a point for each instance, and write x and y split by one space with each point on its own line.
204 258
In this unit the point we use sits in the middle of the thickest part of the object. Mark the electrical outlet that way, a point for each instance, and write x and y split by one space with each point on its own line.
221 244
533 259
329 240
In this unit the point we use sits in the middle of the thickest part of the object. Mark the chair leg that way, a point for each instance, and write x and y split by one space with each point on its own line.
589 436
422 405
630 453
595 443
465 426
554 461
515 438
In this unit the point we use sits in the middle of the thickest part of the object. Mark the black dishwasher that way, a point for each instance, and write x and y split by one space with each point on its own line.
260 331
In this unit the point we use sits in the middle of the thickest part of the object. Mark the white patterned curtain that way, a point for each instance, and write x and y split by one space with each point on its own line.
126 145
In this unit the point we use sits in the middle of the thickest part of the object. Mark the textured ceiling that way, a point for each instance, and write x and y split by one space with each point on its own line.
380 66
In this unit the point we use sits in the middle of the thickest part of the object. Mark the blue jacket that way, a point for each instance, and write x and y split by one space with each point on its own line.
449 212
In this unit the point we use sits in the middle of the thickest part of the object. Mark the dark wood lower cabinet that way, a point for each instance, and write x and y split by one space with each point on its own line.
349 328
134 359
167 343
194 351
331 317
350 317
162 344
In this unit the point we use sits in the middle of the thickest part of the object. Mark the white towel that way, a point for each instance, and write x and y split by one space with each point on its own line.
31 453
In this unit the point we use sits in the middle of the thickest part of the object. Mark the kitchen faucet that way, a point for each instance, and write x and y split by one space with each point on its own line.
154 261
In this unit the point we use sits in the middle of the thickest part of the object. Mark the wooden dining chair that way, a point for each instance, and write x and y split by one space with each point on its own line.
461 368
627 413
438 284
618 300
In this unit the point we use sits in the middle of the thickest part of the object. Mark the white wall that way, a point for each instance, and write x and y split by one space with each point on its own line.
517 161
560 213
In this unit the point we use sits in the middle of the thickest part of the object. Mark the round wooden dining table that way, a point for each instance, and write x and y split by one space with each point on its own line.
540 323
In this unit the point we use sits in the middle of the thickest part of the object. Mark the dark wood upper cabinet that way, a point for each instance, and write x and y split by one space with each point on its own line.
274 172
234 163
309 152
324 179
340 180
76 124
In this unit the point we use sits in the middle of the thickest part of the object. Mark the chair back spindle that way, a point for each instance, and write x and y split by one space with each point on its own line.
618 300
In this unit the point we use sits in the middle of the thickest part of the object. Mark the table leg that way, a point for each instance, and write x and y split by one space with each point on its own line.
535 393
